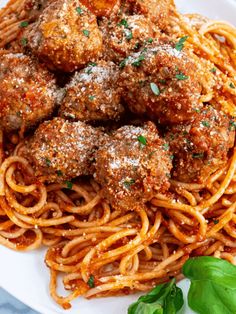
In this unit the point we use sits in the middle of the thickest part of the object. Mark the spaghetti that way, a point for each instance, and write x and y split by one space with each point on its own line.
102 251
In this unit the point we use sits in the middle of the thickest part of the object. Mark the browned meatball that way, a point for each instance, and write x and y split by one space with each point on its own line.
93 94
66 36
61 150
156 10
162 83
124 34
133 165
200 147
27 92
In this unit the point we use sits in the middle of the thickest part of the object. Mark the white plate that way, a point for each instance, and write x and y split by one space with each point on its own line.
25 275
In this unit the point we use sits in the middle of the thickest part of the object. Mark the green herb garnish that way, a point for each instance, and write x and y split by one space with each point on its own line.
166 298
79 10
181 77
232 125
86 32
123 63
24 41
48 162
142 140
128 183
69 185
59 173
231 85
155 89
180 44
24 24
138 61
162 81
166 146
129 35
91 282
213 70
91 98
206 124
198 155
124 23
213 285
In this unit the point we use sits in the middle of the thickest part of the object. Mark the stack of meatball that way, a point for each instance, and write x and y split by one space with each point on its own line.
120 65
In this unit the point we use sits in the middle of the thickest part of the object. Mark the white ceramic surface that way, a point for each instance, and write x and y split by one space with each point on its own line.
25 275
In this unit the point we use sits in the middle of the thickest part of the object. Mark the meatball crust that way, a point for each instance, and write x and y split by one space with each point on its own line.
66 36
162 83
124 34
93 94
133 165
157 11
27 92
60 150
200 147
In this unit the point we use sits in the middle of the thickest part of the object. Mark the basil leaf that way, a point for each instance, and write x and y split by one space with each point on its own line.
149 308
163 299
213 285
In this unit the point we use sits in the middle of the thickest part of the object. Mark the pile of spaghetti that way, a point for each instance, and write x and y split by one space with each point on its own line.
102 251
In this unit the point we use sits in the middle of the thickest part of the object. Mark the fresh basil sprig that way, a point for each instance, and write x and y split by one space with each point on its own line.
163 299
213 285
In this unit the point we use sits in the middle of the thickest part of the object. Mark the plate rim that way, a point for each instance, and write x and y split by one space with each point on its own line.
40 308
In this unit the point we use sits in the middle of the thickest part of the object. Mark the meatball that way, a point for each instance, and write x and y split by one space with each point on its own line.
133 165
100 7
66 36
27 92
200 147
61 150
156 10
93 94
162 83
124 34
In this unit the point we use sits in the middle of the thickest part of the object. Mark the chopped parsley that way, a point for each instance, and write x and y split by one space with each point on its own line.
166 146
162 81
129 35
231 85
24 41
123 63
59 173
91 98
24 24
86 32
206 124
180 44
142 140
79 10
136 46
90 282
124 23
155 89
232 125
150 40
128 183
172 157
197 110
138 61
213 70
216 221
92 64
48 162
69 185
181 77
198 155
